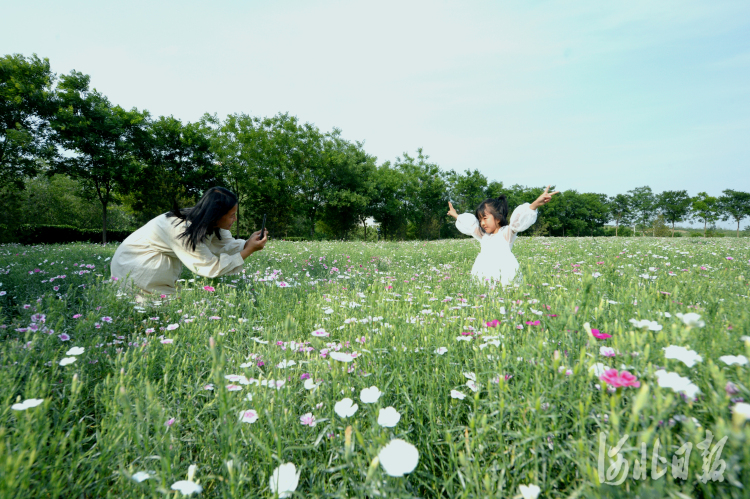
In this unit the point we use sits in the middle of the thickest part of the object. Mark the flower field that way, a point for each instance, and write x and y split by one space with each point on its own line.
339 369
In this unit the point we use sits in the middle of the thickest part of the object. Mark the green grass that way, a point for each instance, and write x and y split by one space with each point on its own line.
103 416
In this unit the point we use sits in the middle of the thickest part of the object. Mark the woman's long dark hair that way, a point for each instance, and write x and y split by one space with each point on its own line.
497 207
215 203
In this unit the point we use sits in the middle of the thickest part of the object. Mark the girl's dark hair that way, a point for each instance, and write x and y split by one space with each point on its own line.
497 207
215 203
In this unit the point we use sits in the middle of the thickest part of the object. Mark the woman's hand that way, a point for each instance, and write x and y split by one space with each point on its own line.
543 199
254 243
452 211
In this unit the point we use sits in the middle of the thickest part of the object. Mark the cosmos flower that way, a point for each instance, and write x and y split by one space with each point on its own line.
734 359
341 357
26 404
651 325
308 420
210 289
249 416
388 417
172 327
677 383
140 476
75 351
398 457
345 408
529 491
623 379
607 351
370 395
457 395
688 357
67 360
692 319
441 350
284 480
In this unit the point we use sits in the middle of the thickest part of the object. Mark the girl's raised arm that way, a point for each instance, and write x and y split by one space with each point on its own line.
466 223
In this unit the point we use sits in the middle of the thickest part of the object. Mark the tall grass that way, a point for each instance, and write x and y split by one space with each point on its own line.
134 402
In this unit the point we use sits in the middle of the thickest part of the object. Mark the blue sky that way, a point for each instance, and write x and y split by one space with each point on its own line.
588 95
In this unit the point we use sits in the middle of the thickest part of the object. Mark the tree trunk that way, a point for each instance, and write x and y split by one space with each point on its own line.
617 224
104 223
364 224
705 222
672 229
738 228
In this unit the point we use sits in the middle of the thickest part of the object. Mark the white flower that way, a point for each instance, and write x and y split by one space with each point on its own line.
172 327
441 350
594 275
598 369
677 383
398 457
187 487
388 417
651 325
67 360
249 416
734 359
692 319
341 357
743 409
320 333
607 351
688 357
457 395
310 384
529 491
345 408
26 404
284 480
75 351
470 376
370 395
472 386
140 476
286 363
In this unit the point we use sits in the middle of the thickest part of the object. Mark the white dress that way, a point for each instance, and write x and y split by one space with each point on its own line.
495 261
151 258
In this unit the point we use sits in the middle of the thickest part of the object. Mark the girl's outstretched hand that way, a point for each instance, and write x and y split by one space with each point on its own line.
544 198
452 211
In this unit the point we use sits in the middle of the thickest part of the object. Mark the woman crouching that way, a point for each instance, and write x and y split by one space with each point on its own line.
150 259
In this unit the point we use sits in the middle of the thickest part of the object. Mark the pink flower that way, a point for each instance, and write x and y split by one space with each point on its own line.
730 258
519 327
612 378
63 337
56 288
533 323
115 278
106 319
492 323
598 335
169 422
167 341
209 288
308 420
77 316
214 318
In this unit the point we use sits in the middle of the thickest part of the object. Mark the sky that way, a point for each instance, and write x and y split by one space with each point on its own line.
587 95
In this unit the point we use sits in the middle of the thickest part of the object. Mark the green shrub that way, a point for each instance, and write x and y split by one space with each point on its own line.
51 234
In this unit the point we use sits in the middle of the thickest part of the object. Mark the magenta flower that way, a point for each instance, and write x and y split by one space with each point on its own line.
533 323
730 258
599 335
106 319
169 422
492 323
308 420
63 337
77 316
617 380
209 288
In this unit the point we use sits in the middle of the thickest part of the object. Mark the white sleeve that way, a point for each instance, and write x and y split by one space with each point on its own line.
522 218
227 244
466 223
204 262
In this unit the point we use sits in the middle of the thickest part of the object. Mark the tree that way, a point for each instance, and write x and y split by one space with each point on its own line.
735 205
620 210
25 107
643 205
674 205
467 190
388 205
103 140
705 209
177 162
349 186
426 194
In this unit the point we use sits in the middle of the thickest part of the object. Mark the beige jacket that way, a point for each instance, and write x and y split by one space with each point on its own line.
151 258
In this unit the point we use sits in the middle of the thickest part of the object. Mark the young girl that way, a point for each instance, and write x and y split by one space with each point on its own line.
489 224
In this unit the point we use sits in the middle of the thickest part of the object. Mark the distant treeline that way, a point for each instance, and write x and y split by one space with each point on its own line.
68 156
